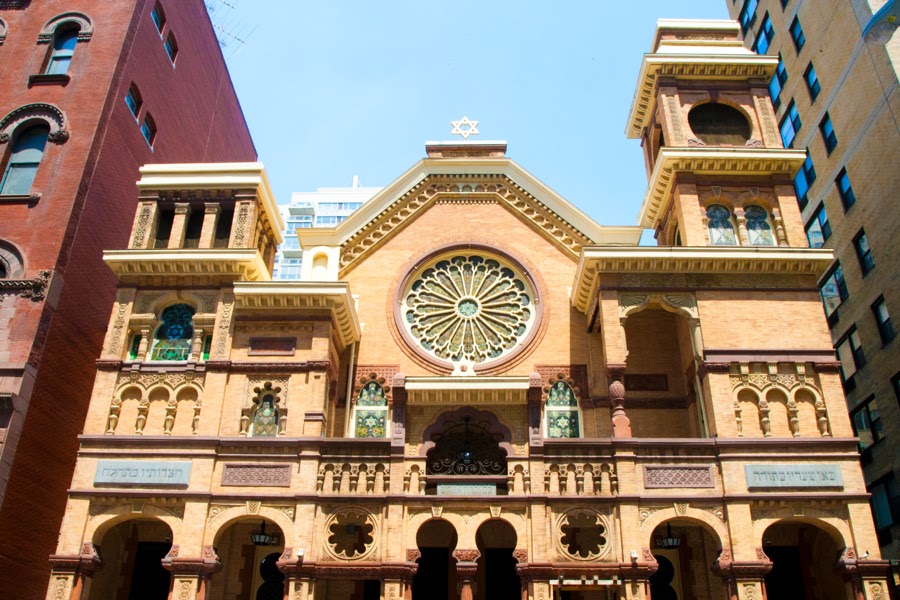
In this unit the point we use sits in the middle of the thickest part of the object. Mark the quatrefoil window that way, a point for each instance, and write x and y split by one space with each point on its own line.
468 309
583 535
350 534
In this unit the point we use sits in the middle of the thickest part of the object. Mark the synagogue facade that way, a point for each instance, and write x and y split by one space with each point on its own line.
477 392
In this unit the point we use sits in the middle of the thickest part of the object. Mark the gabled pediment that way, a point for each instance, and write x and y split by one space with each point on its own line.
464 181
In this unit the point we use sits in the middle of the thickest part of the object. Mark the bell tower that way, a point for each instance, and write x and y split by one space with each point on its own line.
719 174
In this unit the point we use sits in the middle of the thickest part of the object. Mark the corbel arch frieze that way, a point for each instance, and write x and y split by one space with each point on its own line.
684 305
81 20
29 113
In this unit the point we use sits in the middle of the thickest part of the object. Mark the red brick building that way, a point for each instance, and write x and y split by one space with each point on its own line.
89 90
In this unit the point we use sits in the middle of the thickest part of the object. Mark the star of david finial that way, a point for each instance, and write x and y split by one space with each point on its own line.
464 127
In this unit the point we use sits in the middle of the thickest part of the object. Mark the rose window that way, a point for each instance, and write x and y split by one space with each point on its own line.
583 535
468 309
351 533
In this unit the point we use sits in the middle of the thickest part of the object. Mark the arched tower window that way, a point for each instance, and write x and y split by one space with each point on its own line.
24 159
64 40
759 231
719 125
563 412
721 231
174 336
371 411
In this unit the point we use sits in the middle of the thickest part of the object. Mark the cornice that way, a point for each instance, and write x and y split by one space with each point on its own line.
229 264
746 162
728 67
696 259
303 295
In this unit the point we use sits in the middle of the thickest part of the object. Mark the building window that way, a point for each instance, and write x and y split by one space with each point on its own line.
828 134
834 290
764 37
884 503
64 41
24 159
171 47
784 3
867 424
562 412
6 411
159 17
371 411
329 220
748 14
863 252
818 230
759 232
790 124
265 417
133 100
777 83
339 205
850 354
812 82
797 34
148 129
804 180
883 320
173 338
721 230
848 198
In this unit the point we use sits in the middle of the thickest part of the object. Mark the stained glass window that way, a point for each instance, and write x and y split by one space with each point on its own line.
265 419
563 417
371 412
173 337
468 309
721 231
758 230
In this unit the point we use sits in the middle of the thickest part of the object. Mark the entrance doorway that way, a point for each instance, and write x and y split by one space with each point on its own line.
248 550
803 558
133 552
435 577
496 576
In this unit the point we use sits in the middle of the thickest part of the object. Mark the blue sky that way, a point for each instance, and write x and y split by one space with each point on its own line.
338 88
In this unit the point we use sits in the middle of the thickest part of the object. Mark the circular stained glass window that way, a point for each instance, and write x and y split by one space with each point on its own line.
468 309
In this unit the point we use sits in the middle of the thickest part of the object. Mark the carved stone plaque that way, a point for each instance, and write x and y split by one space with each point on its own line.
794 476
257 475
671 476
142 473
466 489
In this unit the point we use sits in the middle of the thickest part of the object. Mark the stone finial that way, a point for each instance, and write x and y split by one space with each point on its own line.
620 422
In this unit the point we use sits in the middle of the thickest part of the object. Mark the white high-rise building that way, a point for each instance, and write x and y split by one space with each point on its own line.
326 207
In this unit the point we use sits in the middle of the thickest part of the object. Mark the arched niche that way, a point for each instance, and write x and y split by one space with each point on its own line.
67 19
28 114
11 266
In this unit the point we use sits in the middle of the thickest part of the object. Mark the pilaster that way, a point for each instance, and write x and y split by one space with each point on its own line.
211 212
179 225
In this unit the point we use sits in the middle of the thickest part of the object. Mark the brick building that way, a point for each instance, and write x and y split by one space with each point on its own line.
89 91
475 391
837 98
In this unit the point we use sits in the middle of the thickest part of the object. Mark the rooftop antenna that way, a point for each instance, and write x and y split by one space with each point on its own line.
231 31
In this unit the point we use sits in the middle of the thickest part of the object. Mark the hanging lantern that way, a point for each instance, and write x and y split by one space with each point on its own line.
261 538
671 541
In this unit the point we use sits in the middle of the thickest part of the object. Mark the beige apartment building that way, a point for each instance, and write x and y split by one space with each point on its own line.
837 98
477 392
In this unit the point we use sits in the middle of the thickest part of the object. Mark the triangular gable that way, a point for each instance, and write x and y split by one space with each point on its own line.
458 181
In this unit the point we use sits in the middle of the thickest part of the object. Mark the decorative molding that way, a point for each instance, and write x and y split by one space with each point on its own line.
272 346
53 116
669 476
256 475
575 375
33 289
84 23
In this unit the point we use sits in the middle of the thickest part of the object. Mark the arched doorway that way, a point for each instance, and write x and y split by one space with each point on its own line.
132 552
435 577
685 551
248 550
496 577
803 558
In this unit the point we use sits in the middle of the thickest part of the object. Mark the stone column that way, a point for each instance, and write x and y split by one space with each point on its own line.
196 345
144 344
743 237
243 226
743 579
867 579
780 236
211 213
73 574
291 564
621 425
466 571
191 575
143 232
179 225
636 574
